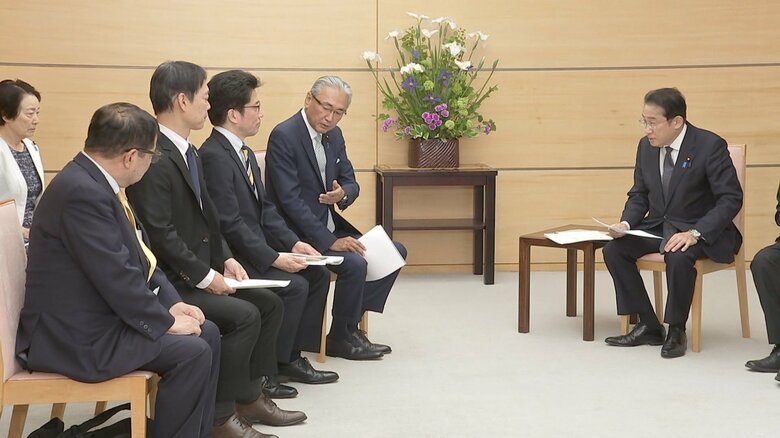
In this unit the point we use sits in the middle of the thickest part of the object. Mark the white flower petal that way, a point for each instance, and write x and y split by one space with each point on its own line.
419 17
371 56
482 36
453 48
464 65
393 34
428 33
411 67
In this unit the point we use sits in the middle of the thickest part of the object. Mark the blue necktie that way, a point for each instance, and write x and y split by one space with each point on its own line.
193 165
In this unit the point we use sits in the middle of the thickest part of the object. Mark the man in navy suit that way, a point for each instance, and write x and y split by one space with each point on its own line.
307 175
175 207
766 275
685 190
96 307
254 230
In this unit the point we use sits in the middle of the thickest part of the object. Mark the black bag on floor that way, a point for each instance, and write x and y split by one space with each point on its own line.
121 429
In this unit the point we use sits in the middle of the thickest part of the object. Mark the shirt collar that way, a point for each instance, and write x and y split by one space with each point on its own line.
312 132
180 142
236 142
111 181
677 143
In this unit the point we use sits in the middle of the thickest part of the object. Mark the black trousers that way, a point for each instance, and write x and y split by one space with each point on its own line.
766 275
249 322
304 301
353 294
620 256
189 369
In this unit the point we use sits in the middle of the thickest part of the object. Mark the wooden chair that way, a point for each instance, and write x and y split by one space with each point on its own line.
20 388
363 325
655 262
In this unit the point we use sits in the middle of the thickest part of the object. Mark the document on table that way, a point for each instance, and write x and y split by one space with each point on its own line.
572 236
317 260
381 254
253 283
639 233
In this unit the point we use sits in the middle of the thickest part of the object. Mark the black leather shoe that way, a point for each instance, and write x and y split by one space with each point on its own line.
301 370
382 348
272 388
676 343
640 335
769 364
351 348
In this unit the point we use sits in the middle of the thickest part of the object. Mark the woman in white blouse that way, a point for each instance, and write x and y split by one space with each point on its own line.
21 171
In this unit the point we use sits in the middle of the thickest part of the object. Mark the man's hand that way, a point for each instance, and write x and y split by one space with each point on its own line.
348 244
289 263
304 248
182 308
218 286
26 233
184 325
617 230
234 270
333 196
680 241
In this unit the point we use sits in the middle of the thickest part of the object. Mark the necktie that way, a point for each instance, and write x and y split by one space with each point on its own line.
193 166
150 258
319 152
666 177
247 167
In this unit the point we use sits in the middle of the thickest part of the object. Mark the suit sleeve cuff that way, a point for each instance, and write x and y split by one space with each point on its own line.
207 280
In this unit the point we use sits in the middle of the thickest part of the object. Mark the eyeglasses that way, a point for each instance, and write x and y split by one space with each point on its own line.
156 155
329 109
255 107
651 125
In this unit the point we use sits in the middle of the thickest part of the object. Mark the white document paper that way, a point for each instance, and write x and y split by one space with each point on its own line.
381 254
317 260
639 233
253 283
572 236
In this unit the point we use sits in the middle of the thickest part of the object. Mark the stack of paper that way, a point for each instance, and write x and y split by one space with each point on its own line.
572 236
253 283
317 260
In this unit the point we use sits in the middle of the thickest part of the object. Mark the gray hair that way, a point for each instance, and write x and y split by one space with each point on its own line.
332 82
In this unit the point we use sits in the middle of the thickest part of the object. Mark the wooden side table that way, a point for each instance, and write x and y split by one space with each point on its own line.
483 221
589 270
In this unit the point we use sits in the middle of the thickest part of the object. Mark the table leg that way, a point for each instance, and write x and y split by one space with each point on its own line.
387 205
589 277
571 282
479 235
490 230
524 287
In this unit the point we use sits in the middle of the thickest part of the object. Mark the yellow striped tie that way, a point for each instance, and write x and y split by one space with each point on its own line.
245 153
150 258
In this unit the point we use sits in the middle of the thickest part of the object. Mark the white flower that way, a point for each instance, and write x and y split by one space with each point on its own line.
411 67
482 36
419 17
428 33
449 21
454 48
371 56
464 65
393 34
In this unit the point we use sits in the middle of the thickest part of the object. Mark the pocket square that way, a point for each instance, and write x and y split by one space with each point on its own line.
338 160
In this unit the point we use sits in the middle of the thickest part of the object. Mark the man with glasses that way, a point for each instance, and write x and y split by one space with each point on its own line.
256 233
685 191
308 174
174 205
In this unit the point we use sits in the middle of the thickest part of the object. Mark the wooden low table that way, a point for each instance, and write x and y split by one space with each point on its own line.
589 269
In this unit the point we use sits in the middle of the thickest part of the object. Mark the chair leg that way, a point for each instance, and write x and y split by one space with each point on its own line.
658 290
321 354
363 325
742 295
624 320
138 410
696 311
152 388
100 407
58 410
18 418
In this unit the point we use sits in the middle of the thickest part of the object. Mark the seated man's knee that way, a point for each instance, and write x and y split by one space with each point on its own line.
762 261
679 260
401 249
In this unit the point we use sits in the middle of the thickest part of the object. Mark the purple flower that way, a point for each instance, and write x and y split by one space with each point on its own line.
444 77
426 115
434 117
487 128
410 84
441 107
386 124
408 130
431 98
445 113
415 54
432 126
438 122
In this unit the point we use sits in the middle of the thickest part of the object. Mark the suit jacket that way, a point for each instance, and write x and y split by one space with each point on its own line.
250 223
704 193
185 238
293 180
12 182
89 312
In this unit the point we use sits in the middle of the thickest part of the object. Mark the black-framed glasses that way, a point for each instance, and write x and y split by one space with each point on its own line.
255 107
329 109
156 155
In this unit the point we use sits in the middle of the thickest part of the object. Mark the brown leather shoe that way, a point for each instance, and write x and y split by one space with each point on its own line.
237 427
264 411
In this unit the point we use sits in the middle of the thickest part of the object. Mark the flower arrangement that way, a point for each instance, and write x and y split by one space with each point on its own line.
438 96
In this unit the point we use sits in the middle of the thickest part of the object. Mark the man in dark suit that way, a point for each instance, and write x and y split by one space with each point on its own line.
96 307
174 205
685 190
307 174
254 230
766 276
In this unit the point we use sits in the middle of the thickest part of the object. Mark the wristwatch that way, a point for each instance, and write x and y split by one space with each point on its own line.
695 233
